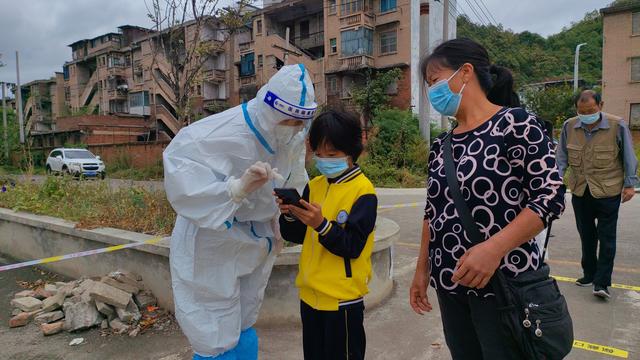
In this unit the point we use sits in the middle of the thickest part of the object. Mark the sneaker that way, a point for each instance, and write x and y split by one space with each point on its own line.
601 291
583 282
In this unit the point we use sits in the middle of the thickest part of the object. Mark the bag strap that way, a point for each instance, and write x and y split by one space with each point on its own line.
470 226
468 223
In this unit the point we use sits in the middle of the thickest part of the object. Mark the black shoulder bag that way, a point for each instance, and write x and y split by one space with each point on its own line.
532 309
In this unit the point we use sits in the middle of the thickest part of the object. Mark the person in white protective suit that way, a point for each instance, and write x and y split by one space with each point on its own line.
219 177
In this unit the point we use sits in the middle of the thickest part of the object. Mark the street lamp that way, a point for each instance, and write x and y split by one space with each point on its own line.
575 67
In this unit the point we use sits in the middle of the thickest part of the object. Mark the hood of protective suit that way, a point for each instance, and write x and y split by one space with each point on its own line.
289 94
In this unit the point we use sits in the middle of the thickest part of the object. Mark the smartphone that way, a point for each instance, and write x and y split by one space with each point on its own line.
289 196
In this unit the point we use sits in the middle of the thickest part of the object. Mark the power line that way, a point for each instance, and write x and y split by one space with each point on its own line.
489 12
483 13
475 12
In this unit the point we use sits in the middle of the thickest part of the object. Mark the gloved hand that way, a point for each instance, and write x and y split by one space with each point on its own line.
252 179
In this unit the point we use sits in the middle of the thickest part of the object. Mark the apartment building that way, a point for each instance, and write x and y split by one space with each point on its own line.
340 42
621 62
44 102
117 74
337 40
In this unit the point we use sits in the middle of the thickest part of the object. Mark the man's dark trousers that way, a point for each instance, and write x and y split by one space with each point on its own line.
597 219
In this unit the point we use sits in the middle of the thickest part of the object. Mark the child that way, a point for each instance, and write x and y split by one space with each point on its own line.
335 227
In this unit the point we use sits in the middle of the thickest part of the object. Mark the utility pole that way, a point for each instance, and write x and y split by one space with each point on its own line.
4 123
19 100
420 36
576 64
286 51
444 120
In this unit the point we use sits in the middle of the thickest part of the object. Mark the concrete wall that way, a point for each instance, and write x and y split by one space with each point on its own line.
619 92
27 237
75 122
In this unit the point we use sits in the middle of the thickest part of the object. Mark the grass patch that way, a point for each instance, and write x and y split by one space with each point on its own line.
93 204
147 173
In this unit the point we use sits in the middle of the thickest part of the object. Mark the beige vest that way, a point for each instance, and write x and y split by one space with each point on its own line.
595 162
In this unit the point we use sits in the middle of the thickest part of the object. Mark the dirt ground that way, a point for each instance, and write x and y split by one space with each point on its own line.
393 330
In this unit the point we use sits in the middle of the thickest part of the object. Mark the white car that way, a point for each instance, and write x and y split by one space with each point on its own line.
76 162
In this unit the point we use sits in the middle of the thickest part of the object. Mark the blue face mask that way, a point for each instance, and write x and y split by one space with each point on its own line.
331 167
443 99
589 119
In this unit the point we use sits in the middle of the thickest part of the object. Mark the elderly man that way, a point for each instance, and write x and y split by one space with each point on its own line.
598 149
219 177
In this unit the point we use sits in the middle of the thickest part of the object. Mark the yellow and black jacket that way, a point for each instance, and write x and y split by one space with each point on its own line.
335 264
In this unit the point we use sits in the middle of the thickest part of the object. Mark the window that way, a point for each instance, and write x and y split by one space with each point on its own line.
635 69
333 44
65 72
392 89
259 27
247 66
387 5
357 42
635 23
260 60
332 7
348 7
138 99
634 116
78 154
304 29
388 42
332 85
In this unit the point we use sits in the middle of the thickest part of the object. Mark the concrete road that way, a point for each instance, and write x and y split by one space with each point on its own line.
393 330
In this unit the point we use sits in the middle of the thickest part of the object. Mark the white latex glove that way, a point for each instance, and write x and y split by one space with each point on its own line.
253 178
279 242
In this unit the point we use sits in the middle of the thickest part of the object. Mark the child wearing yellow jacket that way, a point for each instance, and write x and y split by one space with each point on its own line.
335 226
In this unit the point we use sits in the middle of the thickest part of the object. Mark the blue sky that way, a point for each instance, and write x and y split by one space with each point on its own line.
42 29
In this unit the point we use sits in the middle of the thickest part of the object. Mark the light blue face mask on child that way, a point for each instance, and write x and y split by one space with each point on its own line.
443 99
331 167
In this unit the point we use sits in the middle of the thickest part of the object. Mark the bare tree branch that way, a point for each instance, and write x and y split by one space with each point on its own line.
181 46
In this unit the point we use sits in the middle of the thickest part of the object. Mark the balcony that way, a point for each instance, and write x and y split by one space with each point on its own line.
215 105
248 80
356 62
117 94
215 75
117 70
358 19
245 47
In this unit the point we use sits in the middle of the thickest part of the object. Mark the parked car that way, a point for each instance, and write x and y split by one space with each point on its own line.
75 162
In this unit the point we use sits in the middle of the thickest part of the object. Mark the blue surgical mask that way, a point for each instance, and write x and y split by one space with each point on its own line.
331 167
443 99
589 119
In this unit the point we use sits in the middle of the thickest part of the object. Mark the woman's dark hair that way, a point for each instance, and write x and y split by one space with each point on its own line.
496 81
340 129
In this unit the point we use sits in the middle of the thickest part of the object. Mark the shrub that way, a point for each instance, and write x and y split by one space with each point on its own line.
93 204
397 154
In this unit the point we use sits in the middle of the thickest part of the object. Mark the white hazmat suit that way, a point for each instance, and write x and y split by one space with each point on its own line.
222 246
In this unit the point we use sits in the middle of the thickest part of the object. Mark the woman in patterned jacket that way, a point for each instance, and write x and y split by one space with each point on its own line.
507 173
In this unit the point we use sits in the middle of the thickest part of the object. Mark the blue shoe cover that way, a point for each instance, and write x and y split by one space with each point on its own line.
247 348
229 355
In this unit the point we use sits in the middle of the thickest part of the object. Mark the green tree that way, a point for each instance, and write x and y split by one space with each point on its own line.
373 97
13 130
533 58
554 104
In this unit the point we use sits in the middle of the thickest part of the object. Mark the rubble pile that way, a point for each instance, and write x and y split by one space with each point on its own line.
118 302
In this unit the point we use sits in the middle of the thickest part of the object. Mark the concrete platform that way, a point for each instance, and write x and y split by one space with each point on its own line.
28 237
393 330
